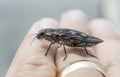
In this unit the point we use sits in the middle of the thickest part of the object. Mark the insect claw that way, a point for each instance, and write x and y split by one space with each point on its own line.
92 55
64 58
45 54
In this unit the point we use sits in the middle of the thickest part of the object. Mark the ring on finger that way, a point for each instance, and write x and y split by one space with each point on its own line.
82 64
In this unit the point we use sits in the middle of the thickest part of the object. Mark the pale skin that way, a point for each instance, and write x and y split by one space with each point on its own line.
30 61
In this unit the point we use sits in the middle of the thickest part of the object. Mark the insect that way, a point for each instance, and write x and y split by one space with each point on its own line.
68 37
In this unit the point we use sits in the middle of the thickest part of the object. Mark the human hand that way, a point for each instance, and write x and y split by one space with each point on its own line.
30 61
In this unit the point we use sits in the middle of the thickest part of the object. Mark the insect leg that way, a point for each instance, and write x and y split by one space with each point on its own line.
89 53
49 47
64 52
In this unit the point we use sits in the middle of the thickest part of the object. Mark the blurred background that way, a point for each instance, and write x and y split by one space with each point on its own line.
17 16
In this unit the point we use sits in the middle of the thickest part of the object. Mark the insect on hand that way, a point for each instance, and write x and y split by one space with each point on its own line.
68 37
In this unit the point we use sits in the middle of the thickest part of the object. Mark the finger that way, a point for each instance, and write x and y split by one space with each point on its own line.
31 59
108 51
74 19
77 20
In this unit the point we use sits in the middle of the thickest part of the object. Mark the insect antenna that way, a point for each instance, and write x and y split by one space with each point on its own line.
33 34
33 38
32 41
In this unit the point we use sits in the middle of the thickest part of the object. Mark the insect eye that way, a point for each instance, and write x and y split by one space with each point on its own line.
42 33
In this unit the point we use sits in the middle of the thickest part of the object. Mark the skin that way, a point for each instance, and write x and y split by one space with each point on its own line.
30 61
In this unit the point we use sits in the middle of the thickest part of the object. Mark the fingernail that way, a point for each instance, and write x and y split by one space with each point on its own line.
75 15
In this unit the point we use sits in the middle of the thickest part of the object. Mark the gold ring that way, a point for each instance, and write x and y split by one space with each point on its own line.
82 64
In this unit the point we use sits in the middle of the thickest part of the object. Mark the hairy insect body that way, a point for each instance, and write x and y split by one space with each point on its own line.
68 37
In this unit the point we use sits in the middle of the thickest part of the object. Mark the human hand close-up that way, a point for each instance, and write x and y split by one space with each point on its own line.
30 60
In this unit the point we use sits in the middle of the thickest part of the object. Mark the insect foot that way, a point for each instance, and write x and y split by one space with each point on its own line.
68 37
90 54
